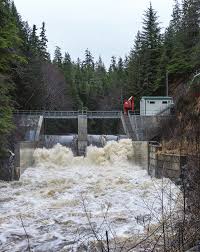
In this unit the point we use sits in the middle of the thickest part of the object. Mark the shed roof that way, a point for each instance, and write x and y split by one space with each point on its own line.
157 98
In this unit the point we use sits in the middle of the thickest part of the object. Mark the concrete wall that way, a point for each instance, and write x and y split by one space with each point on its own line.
39 128
25 158
140 153
82 134
26 127
152 159
165 165
147 127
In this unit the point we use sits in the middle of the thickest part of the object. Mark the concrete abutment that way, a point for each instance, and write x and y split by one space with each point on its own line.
163 164
82 135
149 155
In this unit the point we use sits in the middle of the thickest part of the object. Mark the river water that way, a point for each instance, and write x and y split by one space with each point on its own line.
63 200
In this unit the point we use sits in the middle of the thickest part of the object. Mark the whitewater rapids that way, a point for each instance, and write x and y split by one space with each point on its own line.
62 199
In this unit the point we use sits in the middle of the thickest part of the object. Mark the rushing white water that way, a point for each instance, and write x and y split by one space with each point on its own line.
63 199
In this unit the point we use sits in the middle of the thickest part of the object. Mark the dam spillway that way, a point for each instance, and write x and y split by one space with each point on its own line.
55 197
135 126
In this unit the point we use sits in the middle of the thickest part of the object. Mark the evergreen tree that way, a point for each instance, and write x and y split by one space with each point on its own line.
58 57
24 32
121 79
144 59
68 70
150 36
191 33
151 50
171 49
120 65
6 107
175 23
77 81
113 65
67 67
34 42
9 37
134 69
67 60
89 60
87 70
113 72
9 56
44 55
101 80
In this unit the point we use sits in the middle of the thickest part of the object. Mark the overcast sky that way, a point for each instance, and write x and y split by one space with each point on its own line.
105 27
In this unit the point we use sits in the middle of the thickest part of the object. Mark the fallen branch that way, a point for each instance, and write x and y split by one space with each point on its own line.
27 237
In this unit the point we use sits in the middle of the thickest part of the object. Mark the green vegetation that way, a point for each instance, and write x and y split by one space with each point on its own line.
30 80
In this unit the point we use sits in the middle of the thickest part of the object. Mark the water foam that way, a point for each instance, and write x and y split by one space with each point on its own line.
52 198
113 153
59 155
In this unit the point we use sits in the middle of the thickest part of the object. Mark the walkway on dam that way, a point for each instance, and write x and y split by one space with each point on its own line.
71 114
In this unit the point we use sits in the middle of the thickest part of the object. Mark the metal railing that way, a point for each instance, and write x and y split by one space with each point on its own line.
69 114
48 114
29 112
137 112
90 114
61 114
104 114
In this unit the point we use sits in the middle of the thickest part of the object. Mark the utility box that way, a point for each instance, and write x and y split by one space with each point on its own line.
156 105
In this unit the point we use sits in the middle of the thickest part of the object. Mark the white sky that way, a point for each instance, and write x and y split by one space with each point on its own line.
105 27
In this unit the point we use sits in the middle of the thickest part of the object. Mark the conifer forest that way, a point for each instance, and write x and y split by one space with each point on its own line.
31 80
73 195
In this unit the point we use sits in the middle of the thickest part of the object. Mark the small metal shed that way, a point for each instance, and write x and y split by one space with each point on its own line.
153 105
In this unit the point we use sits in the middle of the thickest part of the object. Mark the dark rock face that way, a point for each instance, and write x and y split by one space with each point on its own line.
8 171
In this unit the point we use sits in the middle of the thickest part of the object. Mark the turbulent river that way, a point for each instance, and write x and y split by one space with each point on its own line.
63 202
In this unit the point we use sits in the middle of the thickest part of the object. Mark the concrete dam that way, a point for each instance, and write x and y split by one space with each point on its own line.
30 132
65 201
135 127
